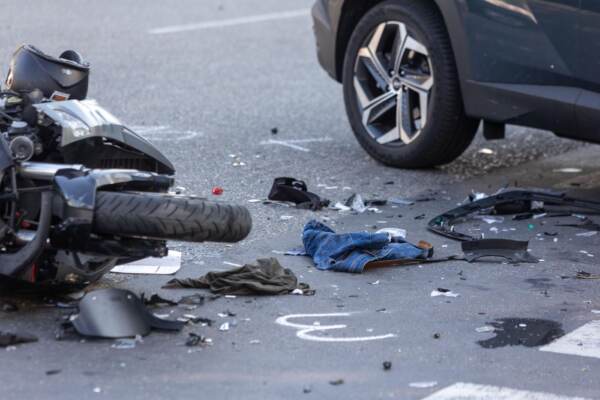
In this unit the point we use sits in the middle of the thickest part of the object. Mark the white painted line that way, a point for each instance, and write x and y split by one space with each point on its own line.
471 391
293 143
152 266
285 144
305 331
583 341
231 22
162 132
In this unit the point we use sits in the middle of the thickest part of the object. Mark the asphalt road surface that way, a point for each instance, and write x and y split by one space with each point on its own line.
207 81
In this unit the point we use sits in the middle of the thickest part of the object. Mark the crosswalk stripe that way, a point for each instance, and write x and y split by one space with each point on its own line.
583 341
471 391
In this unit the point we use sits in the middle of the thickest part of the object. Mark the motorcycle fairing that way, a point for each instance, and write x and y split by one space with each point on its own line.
85 119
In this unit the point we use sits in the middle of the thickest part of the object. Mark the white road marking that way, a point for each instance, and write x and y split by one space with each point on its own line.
152 266
583 341
162 132
231 22
471 391
294 143
305 331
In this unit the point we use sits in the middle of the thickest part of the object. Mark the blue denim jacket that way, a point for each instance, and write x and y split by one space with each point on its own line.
350 252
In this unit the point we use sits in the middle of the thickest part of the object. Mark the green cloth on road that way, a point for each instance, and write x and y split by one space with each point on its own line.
268 277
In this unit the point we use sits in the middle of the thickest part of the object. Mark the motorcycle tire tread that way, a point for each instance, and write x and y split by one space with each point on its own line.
168 217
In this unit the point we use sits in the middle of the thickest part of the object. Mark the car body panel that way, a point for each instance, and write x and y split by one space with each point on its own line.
519 61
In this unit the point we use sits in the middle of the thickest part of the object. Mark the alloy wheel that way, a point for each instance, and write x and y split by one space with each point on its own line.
393 80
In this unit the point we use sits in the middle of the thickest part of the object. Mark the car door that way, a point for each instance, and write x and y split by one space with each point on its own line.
588 104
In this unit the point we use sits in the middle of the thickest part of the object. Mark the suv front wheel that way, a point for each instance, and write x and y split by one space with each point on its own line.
401 87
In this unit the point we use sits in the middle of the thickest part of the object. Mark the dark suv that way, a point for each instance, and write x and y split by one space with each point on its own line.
420 75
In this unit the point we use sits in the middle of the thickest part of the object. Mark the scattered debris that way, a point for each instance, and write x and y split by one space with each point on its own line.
522 332
586 275
194 299
274 131
512 250
356 203
286 217
268 277
8 339
437 335
506 201
224 326
443 292
217 191
168 265
194 340
486 151
127 343
387 365
53 372
336 382
117 313
156 300
295 191
485 329
401 202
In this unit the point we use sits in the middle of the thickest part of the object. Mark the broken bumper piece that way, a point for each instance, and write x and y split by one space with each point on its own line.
512 250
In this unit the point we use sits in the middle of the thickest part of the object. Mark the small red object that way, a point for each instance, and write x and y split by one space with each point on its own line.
217 191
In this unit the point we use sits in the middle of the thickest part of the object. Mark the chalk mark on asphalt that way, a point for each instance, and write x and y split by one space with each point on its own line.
305 331
294 143
230 22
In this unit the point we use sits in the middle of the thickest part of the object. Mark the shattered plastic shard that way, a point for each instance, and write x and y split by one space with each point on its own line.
512 250
116 313
485 329
224 327
443 292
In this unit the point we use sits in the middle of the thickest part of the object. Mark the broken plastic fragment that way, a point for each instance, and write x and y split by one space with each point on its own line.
512 250
443 292
356 203
217 191
152 265
400 201
116 313
127 343
485 329
224 326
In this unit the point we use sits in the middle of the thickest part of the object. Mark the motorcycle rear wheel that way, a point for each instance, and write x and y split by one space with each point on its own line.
169 217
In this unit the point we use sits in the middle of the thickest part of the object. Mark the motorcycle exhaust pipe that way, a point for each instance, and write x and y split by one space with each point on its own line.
44 171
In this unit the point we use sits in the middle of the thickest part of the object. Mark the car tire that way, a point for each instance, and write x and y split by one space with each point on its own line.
400 49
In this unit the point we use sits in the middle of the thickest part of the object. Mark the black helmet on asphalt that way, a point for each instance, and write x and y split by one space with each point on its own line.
61 78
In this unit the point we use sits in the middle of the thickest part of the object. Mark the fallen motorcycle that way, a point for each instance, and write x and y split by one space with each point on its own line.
80 192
